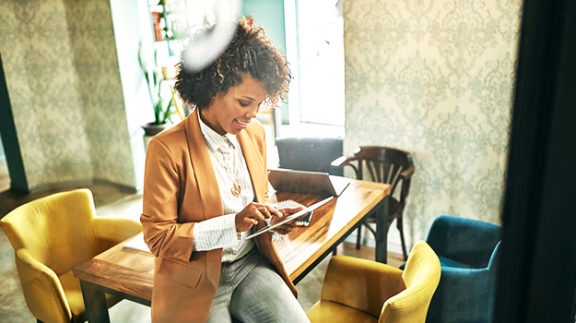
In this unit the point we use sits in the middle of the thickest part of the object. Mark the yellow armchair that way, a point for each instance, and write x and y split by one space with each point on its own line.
50 236
359 290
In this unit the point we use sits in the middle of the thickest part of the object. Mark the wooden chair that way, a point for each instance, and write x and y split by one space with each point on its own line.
385 165
50 236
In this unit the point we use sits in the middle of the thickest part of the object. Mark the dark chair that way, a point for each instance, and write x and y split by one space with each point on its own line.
468 252
385 165
309 153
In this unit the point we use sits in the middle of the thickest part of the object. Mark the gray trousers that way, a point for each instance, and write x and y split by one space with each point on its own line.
251 291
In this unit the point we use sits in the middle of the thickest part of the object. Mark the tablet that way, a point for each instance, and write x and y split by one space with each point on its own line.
303 221
291 217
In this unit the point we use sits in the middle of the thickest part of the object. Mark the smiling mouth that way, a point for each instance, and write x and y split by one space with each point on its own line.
243 123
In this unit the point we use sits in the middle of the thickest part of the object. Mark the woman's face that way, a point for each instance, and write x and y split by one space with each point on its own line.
233 111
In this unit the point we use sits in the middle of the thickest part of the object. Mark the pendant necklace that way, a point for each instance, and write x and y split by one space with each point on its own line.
236 189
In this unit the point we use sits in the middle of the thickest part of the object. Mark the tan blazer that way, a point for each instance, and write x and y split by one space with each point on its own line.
180 190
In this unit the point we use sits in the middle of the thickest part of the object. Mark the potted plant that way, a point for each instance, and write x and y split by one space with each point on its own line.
161 96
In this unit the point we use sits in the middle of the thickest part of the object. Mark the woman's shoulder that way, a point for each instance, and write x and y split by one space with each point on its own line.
255 129
171 137
172 132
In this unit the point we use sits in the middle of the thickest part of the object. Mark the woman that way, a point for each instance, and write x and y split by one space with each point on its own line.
205 188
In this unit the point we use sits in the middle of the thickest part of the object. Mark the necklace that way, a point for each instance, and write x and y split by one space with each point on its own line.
236 189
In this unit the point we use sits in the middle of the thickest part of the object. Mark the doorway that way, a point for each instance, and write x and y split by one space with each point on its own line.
4 176
12 175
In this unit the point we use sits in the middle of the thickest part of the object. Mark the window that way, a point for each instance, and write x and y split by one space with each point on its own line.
315 50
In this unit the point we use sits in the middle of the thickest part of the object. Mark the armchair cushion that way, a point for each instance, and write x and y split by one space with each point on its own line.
109 231
358 290
448 262
361 284
338 314
73 293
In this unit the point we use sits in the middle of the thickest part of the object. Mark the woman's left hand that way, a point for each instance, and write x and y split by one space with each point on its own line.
286 227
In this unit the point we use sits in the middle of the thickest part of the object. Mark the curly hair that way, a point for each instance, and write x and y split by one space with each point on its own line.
249 53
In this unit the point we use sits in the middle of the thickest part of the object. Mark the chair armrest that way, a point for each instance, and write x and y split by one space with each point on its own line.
407 173
342 161
110 231
361 284
404 177
42 289
338 162
463 289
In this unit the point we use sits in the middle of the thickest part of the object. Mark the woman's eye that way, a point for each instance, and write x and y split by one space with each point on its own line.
244 104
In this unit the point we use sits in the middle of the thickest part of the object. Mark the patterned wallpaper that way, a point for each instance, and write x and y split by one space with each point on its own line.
65 91
435 77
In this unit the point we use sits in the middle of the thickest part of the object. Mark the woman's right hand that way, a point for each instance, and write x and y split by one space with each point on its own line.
253 213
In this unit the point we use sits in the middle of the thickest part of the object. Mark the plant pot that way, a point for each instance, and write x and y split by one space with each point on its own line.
150 130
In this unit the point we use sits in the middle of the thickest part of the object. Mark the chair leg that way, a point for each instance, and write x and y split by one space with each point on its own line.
400 226
358 237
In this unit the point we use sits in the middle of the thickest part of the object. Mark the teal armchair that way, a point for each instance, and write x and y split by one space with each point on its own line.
468 251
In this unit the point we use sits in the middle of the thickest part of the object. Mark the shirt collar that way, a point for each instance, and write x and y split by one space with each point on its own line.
216 141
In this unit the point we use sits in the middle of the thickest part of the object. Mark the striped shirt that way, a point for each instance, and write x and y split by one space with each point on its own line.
230 168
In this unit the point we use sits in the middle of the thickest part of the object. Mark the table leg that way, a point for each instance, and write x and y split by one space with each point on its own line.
382 231
95 303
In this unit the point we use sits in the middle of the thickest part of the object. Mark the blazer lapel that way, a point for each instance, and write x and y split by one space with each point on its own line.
203 171
256 165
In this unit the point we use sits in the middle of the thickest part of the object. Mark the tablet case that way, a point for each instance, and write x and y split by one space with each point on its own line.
304 182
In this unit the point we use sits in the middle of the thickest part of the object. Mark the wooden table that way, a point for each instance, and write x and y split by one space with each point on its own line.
128 273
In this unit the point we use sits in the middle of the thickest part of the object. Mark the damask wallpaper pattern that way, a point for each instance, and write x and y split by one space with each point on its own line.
65 91
436 78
